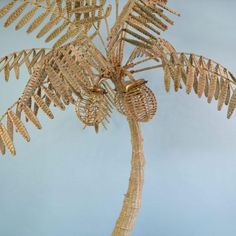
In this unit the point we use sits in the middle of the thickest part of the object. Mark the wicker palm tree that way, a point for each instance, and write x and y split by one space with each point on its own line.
76 72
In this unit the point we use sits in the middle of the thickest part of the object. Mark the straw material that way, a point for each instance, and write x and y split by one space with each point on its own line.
132 201
76 71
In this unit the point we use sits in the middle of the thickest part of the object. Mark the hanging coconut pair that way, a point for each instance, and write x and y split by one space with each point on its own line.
137 101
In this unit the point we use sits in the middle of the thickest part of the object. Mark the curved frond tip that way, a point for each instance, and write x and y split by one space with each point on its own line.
203 76
14 61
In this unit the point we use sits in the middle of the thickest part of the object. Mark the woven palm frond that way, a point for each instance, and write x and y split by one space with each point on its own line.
53 97
6 139
43 105
60 20
196 73
16 60
146 54
75 66
19 125
203 76
59 77
140 23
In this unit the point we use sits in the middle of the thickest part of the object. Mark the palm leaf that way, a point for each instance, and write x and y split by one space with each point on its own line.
142 20
205 74
31 116
41 104
7 8
200 74
46 15
19 125
16 60
5 137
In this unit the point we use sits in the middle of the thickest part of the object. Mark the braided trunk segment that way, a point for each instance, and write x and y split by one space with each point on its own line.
132 201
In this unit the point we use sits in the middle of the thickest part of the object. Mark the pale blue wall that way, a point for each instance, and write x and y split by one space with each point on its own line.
69 181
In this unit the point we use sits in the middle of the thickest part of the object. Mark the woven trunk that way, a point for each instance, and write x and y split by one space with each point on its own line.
132 200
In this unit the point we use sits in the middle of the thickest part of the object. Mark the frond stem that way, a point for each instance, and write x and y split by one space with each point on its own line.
137 63
146 69
101 38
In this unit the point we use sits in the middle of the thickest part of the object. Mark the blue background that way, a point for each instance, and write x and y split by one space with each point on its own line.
69 181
